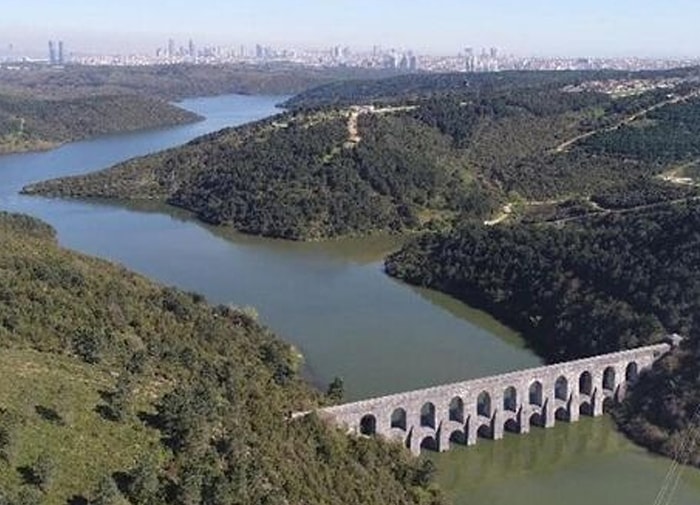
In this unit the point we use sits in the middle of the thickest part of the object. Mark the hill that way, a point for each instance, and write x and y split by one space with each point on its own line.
593 286
42 107
304 176
405 88
31 123
172 82
331 171
112 385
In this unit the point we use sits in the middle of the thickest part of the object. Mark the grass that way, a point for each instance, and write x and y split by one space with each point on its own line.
82 444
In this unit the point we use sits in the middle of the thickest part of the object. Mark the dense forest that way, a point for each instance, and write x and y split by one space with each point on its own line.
626 278
299 177
112 385
39 123
173 81
41 107
413 87
597 286
427 161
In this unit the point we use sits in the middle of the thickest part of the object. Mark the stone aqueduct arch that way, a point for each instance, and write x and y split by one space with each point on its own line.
462 412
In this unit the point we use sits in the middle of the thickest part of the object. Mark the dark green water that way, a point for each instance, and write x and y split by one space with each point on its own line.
333 301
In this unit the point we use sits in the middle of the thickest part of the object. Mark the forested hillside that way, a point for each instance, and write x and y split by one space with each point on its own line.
427 161
42 107
626 279
602 285
173 81
111 384
302 177
28 123
413 87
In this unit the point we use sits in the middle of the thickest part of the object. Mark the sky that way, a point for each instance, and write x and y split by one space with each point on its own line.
602 28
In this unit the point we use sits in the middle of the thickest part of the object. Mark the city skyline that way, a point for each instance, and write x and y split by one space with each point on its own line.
597 29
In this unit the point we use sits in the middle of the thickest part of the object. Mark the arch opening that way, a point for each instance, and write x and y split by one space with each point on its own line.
398 419
535 393
608 404
429 444
457 410
512 426
586 409
483 404
510 399
585 383
537 419
368 425
632 373
427 415
484 431
458 437
561 389
562 414
609 379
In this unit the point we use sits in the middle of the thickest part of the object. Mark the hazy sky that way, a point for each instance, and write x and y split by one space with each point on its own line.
544 27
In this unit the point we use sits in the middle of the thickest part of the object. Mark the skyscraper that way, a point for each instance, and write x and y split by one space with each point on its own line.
52 53
192 50
61 59
171 48
470 59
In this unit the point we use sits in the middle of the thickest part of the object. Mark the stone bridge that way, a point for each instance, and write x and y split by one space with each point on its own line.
463 412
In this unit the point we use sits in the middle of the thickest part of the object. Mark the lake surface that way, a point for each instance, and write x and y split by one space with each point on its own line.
333 301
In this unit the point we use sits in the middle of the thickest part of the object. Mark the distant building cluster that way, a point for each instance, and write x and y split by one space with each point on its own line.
482 62
56 53
469 60
626 87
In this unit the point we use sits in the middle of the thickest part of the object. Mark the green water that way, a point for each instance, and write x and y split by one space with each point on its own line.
334 302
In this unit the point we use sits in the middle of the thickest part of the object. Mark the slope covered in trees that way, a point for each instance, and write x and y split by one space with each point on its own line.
173 81
300 177
111 384
41 107
603 285
423 163
28 123
579 290
413 87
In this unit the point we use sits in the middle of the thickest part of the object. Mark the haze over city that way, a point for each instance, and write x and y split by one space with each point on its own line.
545 28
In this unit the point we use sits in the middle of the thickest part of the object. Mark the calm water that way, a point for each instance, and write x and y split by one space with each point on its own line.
333 301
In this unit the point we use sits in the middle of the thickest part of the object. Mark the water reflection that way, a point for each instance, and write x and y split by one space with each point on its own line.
577 464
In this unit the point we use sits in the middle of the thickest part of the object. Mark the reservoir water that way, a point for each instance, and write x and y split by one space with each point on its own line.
333 301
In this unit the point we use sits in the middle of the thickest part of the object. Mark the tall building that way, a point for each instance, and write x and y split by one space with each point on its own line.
171 48
61 58
192 50
470 57
52 53
412 62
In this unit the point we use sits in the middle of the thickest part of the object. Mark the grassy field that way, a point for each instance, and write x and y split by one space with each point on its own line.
51 403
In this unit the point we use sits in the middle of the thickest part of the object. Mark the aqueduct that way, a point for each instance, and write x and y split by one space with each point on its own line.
462 412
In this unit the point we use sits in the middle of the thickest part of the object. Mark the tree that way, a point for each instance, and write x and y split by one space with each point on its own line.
119 401
87 346
7 443
43 471
28 496
424 473
336 390
144 483
4 498
106 493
